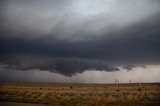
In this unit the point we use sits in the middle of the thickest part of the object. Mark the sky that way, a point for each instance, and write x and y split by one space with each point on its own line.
75 39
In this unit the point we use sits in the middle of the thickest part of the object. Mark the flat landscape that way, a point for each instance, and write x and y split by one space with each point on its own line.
81 94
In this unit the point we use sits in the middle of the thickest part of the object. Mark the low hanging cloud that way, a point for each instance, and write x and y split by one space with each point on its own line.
139 74
80 35
67 67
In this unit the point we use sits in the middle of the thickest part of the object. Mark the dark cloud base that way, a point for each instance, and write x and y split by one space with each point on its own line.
63 66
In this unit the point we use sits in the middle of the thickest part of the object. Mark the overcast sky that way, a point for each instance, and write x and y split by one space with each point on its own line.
114 32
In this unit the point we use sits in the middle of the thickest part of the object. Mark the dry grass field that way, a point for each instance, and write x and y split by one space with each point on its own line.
82 94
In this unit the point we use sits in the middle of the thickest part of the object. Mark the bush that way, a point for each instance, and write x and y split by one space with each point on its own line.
71 87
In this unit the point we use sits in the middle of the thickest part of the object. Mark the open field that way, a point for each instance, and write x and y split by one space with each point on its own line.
81 94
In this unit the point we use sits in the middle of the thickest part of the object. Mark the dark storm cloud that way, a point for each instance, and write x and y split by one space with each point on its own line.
115 31
151 73
63 66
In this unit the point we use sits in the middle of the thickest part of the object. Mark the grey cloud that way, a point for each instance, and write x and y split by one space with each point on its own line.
139 42
63 20
151 73
63 66
117 31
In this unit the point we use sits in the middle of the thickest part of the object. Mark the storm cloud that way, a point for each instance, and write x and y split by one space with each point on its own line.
151 73
116 32
63 66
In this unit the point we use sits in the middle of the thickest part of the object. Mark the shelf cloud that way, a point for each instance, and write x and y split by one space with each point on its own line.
111 32
151 73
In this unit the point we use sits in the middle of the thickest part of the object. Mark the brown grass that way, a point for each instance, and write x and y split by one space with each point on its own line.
81 94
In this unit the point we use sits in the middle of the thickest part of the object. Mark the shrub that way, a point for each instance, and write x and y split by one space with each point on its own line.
71 87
